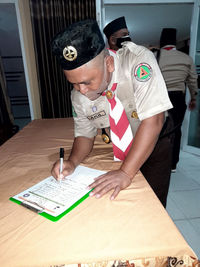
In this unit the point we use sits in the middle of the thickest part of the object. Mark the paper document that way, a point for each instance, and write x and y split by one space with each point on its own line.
54 197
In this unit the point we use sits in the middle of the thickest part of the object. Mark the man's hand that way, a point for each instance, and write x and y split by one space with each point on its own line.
82 146
192 104
113 180
68 168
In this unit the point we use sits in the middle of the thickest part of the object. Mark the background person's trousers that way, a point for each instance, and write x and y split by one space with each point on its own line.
177 112
157 168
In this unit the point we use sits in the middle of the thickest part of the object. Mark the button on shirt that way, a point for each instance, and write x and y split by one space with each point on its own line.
140 88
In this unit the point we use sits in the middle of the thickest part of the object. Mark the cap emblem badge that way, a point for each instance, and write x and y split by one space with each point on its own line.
70 53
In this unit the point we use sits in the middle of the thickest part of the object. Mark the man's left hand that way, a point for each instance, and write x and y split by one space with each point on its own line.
113 180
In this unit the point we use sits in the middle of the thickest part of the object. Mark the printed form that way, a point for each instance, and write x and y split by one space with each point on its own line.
55 197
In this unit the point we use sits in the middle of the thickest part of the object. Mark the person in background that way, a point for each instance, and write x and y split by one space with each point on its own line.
105 83
179 72
117 33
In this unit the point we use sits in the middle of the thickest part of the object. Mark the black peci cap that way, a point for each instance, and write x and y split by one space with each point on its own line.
78 44
168 37
115 25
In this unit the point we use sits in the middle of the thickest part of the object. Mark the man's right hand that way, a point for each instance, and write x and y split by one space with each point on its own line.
192 104
68 168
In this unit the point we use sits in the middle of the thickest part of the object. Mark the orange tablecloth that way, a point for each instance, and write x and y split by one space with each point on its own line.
134 228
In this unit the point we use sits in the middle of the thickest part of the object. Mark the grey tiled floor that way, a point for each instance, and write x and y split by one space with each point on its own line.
183 203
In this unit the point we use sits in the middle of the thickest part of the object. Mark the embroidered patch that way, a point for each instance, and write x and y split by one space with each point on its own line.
143 72
74 112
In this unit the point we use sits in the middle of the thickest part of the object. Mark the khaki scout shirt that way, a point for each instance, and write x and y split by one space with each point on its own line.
147 96
178 71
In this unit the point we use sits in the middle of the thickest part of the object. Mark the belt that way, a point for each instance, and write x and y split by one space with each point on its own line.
176 93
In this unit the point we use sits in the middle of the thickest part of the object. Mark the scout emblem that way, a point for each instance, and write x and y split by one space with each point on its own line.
105 136
143 72
109 94
70 53
134 115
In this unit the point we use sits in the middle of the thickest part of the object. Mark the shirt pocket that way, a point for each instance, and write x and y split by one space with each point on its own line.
132 115
98 114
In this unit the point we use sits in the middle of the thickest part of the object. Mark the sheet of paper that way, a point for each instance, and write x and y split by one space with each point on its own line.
55 197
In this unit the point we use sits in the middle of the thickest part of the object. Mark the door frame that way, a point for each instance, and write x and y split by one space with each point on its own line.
28 54
193 44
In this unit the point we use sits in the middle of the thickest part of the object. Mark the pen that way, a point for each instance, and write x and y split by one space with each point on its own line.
61 159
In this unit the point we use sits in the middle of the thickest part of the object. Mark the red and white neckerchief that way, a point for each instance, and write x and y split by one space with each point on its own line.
120 129
169 47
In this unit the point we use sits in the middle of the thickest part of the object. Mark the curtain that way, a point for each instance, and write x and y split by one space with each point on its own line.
48 18
5 107
7 128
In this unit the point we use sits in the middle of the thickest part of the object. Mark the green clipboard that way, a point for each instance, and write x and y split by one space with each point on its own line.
48 216
53 200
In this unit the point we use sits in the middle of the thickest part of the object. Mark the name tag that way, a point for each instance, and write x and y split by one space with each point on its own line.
97 115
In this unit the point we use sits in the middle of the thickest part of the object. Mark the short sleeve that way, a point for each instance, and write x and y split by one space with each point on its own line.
150 91
82 126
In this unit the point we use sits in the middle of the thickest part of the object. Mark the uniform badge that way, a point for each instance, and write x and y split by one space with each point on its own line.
94 108
70 53
109 94
134 115
97 115
143 72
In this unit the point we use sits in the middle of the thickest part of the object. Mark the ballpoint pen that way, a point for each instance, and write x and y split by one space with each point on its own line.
61 159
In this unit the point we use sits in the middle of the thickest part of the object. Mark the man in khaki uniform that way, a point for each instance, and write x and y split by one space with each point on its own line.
140 88
117 32
178 71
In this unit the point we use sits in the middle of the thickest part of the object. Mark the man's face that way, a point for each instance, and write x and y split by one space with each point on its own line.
89 81
113 40
121 33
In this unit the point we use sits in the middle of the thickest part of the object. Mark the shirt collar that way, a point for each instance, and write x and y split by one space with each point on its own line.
169 47
116 73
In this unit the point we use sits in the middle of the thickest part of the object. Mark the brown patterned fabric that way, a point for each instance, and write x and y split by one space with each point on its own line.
184 261
48 18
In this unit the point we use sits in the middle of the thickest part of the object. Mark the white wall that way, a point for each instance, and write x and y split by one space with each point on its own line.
145 21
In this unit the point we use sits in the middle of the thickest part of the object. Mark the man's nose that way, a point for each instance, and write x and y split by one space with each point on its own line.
83 89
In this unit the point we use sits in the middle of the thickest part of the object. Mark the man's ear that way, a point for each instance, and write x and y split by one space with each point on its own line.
112 40
110 63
